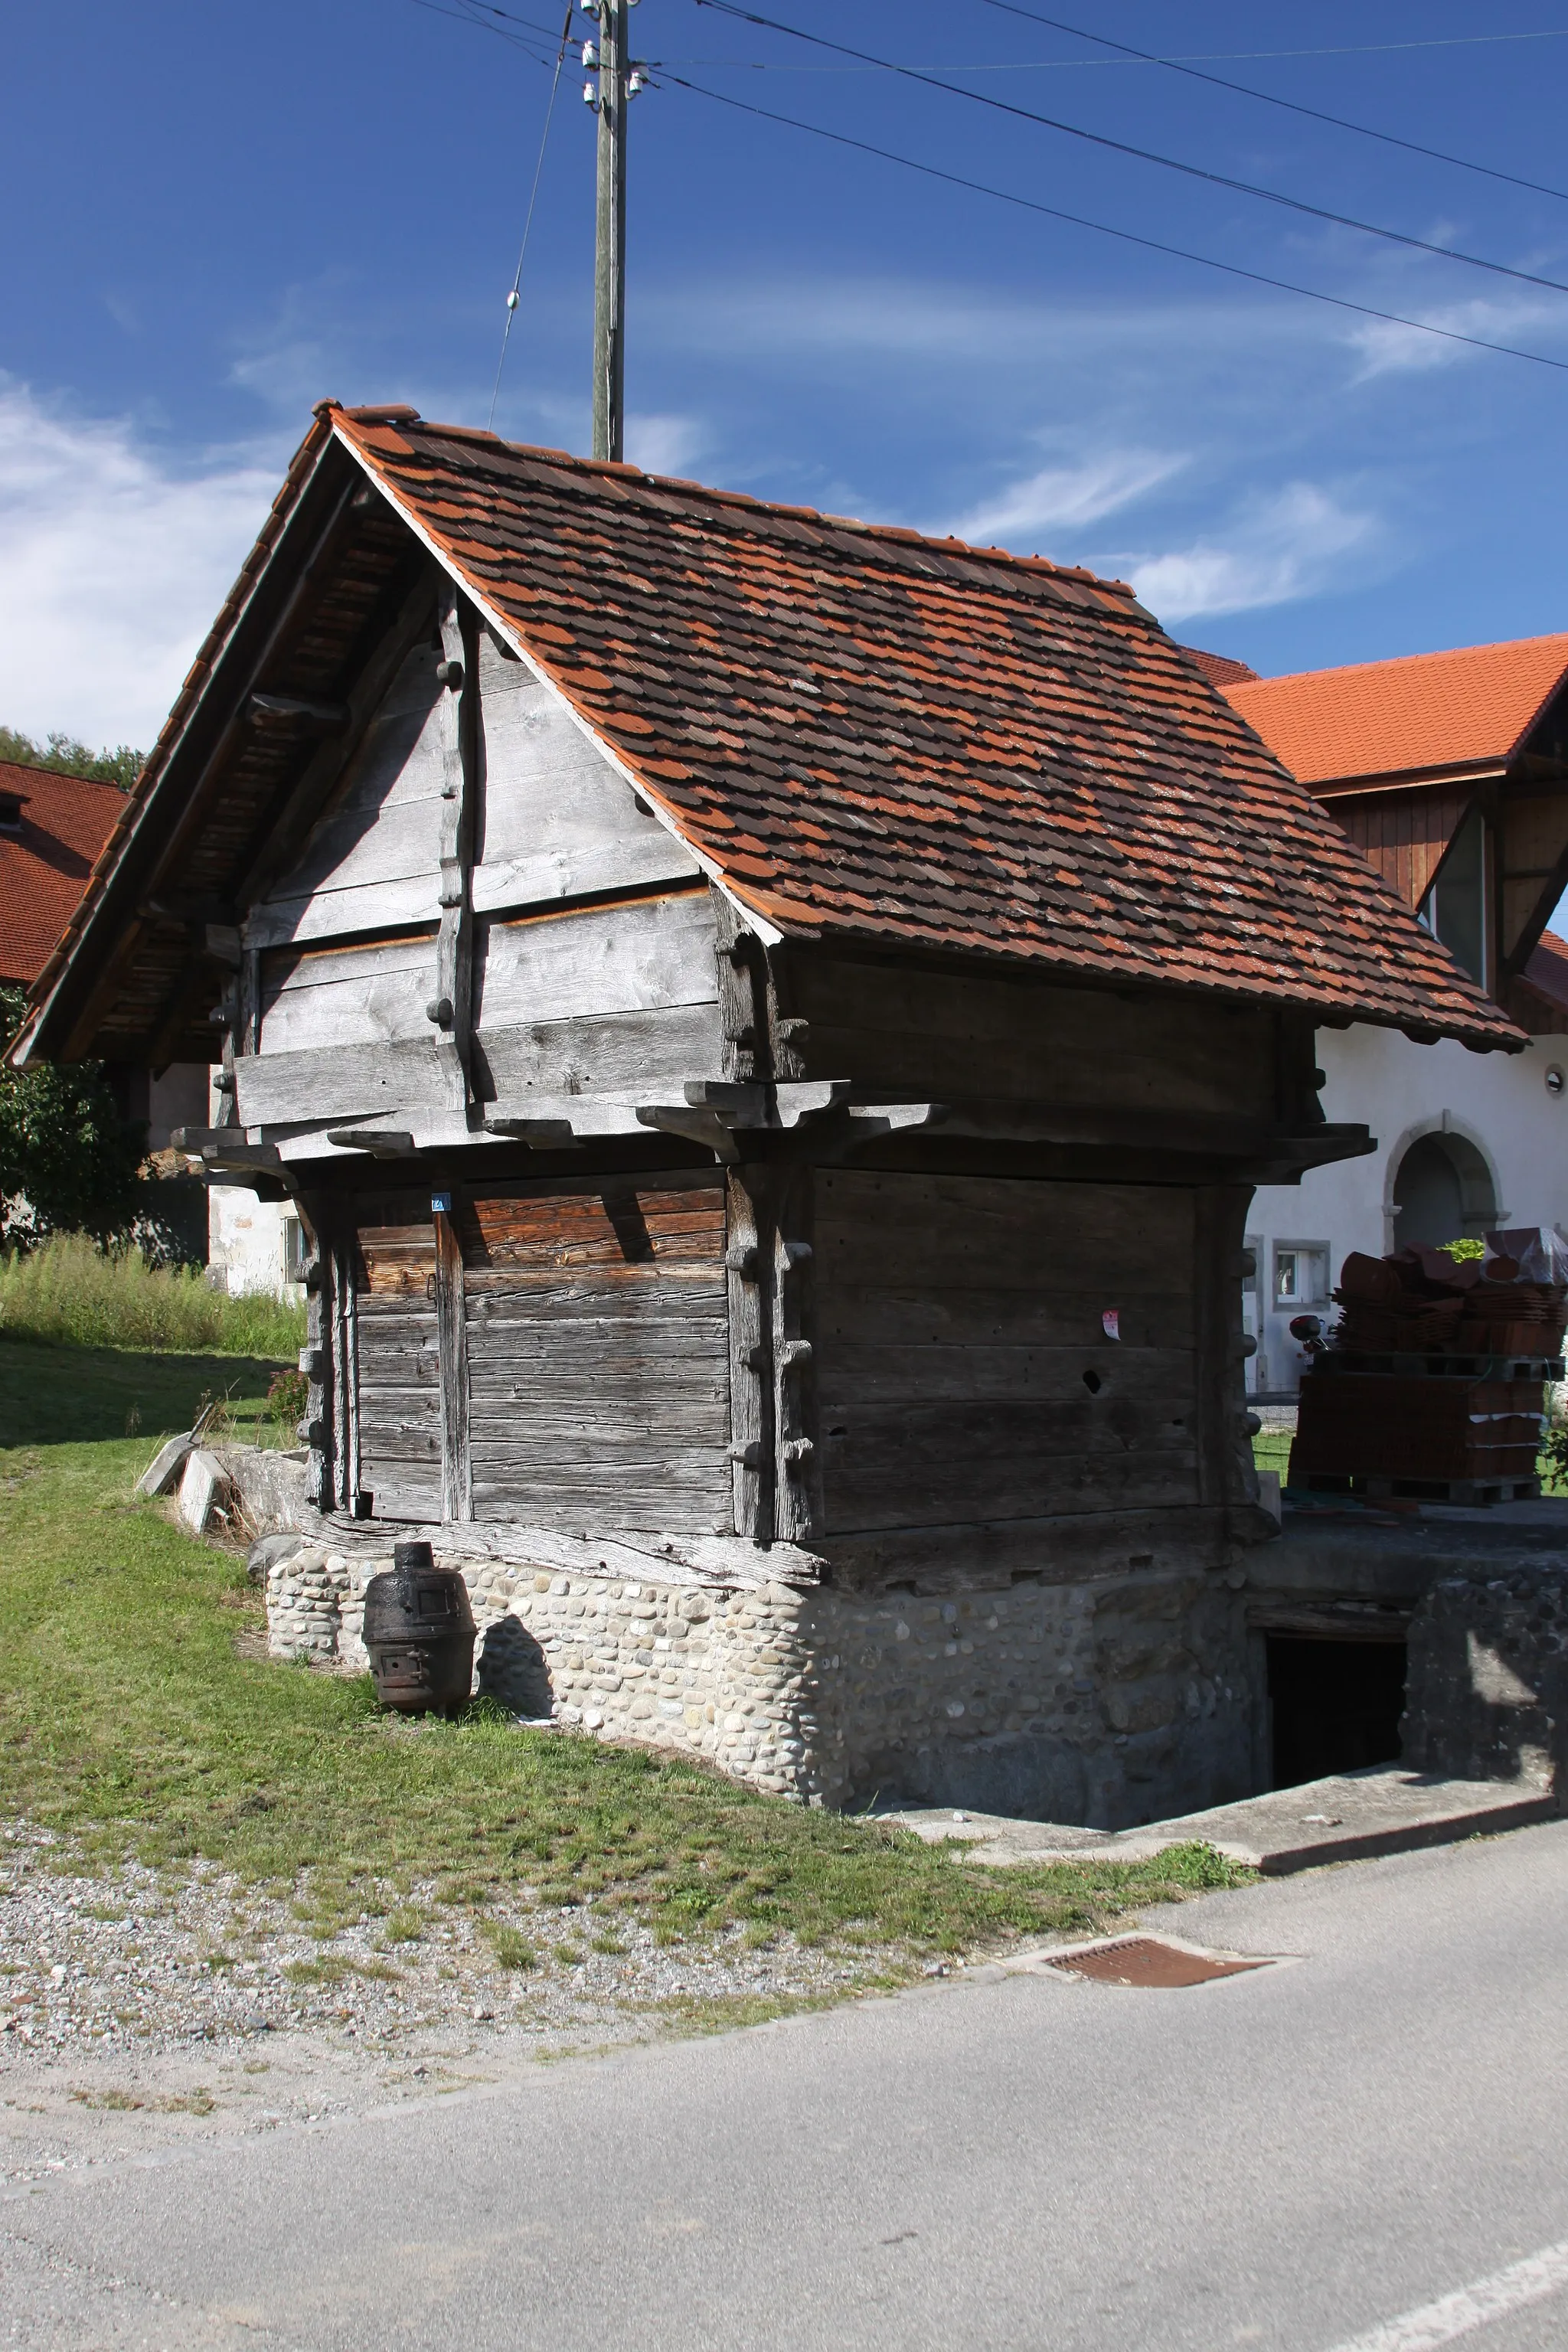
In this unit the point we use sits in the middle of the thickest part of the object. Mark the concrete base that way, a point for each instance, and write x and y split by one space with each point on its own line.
1387 1809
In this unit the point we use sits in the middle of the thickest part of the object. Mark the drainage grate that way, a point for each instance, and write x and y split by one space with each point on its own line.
1144 1961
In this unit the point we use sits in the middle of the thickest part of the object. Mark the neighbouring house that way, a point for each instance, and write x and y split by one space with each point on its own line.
769 1027
1449 772
53 828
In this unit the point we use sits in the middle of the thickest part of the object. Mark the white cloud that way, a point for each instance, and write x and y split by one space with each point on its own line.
1387 350
112 566
664 445
1284 547
1063 497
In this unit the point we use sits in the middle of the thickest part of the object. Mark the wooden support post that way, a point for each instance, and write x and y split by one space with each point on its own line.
748 1263
345 1462
452 1343
451 1008
797 1511
743 993
1226 1475
317 1362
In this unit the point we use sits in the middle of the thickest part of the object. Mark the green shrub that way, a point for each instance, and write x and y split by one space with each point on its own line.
69 1289
286 1401
1468 1246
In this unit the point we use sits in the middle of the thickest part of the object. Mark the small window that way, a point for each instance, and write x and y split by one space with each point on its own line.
1454 909
11 812
1301 1274
295 1254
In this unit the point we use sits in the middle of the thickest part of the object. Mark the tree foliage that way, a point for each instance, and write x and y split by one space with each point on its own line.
67 757
68 1163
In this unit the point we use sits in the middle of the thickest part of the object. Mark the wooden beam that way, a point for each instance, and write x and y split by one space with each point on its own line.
451 1010
797 1509
748 1240
452 1341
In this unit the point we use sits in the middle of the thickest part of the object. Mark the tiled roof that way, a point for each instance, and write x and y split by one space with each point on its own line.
66 821
1400 718
1219 668
906 741
1547 969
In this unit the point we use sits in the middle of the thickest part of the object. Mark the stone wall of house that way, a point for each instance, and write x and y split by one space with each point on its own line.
1108 1703
1488 1685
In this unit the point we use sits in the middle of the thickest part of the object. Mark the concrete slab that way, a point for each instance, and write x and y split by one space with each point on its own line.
165 1466
1385 1809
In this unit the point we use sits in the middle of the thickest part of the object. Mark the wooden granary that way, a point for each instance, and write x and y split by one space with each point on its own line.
771 1025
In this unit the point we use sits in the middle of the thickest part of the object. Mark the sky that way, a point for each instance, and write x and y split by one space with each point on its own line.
221 214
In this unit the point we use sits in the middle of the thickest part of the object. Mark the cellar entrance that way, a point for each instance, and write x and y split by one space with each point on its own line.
1333 1706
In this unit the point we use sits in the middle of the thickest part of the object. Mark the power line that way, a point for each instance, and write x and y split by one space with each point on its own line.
478 24
1141 154
1068 64
1102 229
514 297
1266 98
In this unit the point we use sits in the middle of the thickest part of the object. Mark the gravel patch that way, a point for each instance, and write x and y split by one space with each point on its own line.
135 1960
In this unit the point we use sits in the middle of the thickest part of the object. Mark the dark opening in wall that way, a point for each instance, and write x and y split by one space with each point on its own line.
1334 1706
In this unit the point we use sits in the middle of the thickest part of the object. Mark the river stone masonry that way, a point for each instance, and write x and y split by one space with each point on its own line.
1074 1702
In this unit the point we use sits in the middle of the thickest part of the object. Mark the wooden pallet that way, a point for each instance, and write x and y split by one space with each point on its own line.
1461 1368
1372 1489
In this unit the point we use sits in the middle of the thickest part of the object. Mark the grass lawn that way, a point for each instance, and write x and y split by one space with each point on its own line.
137 1716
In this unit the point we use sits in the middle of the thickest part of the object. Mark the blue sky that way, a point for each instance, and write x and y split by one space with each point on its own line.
219 212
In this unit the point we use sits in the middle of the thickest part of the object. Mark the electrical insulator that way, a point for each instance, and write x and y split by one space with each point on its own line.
511 299
590 96
638 80
590 55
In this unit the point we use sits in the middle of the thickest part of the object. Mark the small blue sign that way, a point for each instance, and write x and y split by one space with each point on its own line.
441 1204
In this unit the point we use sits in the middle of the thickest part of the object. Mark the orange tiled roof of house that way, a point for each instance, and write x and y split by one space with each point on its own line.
875 737
1547 969
1220 669
45 862
1422 713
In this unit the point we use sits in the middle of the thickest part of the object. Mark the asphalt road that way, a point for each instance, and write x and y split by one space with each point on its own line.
1290 2159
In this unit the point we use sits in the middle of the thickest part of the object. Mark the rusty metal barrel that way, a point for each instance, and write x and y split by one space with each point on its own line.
419 1632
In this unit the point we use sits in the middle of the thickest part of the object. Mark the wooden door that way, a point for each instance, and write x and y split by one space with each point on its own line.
391 1438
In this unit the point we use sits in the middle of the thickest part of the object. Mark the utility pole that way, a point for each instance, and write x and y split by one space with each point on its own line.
619 82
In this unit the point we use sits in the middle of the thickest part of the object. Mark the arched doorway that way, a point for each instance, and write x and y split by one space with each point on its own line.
1442 1190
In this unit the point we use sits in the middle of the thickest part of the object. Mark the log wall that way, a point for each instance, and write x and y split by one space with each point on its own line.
964 1370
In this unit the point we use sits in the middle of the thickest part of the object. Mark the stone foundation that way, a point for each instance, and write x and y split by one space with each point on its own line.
1487 1689
1107 1702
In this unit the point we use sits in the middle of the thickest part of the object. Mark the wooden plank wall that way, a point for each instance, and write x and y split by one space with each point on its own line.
399 1361
598 1354
620 997
1404 834
373 858
902 1032
560 822
963 1370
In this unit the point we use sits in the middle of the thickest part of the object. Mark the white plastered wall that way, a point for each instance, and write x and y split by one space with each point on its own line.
247 1239
1497 1103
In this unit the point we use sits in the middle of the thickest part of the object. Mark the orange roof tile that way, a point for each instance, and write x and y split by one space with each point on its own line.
66 820
1547 969
1425 712
1220 669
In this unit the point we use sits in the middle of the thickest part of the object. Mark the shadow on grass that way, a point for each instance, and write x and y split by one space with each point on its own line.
56 1395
